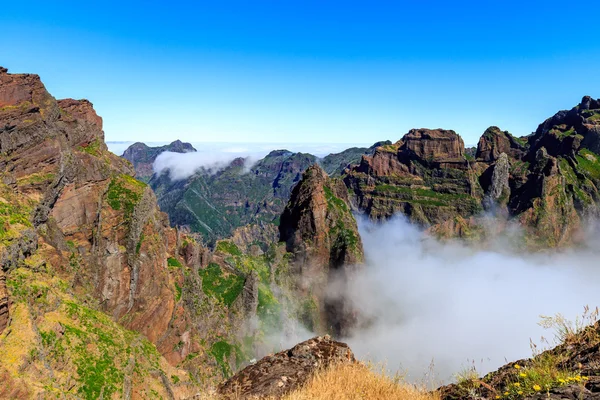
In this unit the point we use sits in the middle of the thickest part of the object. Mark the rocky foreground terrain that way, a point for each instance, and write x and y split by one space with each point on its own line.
101 297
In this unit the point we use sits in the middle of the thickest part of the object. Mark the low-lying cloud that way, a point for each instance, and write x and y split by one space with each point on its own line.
213 157
183 165
456 306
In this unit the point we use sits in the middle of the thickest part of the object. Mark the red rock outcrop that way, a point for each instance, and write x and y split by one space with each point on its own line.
433 145
494 142
87 209
278 374
425 175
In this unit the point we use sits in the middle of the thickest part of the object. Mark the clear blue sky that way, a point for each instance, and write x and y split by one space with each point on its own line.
308 71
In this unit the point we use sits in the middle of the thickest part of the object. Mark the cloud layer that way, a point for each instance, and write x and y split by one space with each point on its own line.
456 306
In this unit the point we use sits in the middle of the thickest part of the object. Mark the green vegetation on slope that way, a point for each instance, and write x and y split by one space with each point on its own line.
226 287
124 192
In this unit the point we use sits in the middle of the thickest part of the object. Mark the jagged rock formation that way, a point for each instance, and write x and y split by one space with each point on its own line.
320 231
569 371
424 175
560 188
548 181
498 189
335 163
142 156
281 373
494 142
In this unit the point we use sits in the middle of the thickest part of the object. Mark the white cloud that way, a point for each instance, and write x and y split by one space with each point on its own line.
450 303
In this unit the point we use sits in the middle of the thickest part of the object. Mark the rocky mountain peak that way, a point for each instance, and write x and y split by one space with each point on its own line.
320 231
588 103
494 142
143 156
433 145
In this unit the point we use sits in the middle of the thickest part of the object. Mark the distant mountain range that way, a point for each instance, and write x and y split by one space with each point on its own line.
215 203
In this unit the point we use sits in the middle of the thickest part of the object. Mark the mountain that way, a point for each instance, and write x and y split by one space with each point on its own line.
88 303
99 296
335 163
142 157
320 232
216 203
546 182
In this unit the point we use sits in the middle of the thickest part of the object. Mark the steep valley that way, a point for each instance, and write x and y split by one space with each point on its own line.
117 287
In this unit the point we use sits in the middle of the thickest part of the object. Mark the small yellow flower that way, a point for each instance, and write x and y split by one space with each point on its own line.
577 378
517 366
517 384
497 396
585 378
506 393
522 374
537 387
561 380
520 392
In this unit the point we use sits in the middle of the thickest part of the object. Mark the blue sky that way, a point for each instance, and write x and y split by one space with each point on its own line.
310 71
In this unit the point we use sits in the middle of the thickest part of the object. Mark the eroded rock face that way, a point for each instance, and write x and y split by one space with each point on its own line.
86 209
320 231
494 142
498 191
433 145
281 373
4 312
424 175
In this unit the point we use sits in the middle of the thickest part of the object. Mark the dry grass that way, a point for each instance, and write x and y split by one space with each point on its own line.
358 381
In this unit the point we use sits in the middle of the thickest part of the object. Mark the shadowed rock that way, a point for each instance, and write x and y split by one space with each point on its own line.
320 231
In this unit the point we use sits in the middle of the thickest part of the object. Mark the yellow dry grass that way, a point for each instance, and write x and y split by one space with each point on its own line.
358 381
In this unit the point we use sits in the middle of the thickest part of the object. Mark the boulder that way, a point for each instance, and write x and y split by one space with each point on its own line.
278 374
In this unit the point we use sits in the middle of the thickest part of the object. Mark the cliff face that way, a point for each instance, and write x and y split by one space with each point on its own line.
424 175
142 156
559 190
548 181
320 231
80 237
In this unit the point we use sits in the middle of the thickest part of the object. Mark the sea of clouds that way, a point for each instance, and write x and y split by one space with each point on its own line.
453 306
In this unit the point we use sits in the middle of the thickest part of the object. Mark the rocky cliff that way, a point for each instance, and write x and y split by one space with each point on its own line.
142 156
99 296
320 232
424 175
547 182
